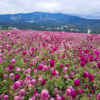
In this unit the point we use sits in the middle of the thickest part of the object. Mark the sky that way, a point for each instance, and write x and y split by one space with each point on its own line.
85 8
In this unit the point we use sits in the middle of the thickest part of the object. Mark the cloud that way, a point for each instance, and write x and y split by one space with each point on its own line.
77 7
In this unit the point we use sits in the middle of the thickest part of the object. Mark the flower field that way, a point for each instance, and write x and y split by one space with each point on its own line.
42 65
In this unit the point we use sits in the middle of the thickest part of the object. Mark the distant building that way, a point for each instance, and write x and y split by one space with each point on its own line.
89 31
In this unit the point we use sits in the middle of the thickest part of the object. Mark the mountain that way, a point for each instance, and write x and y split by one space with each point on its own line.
49 21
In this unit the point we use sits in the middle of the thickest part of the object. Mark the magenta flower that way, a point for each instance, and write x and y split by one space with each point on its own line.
17 76
61 65
91 77
24 52
82 63
96 52
77 82
32 49
52 62
17 84
43 81
10 67
85 74
8 47
53 72
40 67
98 64
91 58
80 91
86 86
73 93
28 77
70 92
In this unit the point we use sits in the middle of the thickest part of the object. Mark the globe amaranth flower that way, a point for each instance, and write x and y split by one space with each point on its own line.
77 82
44 94
98 96
52 62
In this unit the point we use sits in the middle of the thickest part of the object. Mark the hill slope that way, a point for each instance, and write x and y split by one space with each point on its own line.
49 21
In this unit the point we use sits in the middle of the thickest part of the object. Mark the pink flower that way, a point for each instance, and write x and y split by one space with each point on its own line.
86 51
26 60
65 69
28 77
1 46
17 69
98 96
44 94
24 52
0 60
12 76
5 76
77 82
32 49
33 98
17 84
37 58
13 60
35 92
45 68
2 95
58 98
61 65
53 72
17 98
6 69
22 92
43 44
70 92
28 70
33 82
52 99
5 97
8 46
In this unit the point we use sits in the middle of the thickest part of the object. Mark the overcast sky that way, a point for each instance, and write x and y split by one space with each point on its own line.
78 7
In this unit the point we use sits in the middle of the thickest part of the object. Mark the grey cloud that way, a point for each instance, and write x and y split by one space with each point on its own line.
78 7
